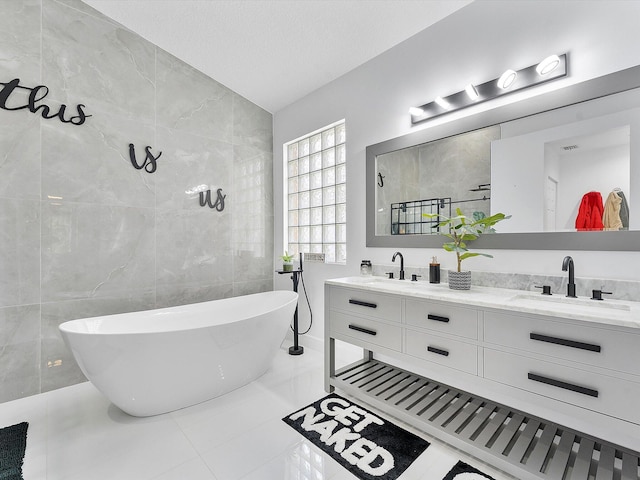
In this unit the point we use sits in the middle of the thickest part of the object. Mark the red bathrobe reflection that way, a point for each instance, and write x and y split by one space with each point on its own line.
590 212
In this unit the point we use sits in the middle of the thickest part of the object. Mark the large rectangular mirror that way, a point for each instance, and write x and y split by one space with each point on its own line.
555 163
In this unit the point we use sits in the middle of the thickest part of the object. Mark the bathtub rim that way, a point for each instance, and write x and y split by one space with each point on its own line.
183 326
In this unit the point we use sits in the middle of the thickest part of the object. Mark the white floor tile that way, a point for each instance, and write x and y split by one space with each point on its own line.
303 461
249 451
136 452
222 425
76 434
194 469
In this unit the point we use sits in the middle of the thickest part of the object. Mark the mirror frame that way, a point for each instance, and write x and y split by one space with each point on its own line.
610 84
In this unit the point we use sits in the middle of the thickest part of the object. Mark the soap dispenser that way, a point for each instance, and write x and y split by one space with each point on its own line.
434 271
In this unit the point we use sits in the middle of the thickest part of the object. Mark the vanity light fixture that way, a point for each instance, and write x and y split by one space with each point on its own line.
551 68
443 103
507 79
548 65
472 92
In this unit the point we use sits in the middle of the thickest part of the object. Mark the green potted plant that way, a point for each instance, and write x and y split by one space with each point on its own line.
461 231
287 262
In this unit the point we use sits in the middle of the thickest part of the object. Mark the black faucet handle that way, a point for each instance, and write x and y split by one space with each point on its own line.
414 277
597 294
546 289
390 274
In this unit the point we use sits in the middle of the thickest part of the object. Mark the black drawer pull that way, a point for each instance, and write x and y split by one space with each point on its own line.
438 351
567 343
363 330
438 318
567 386
363 304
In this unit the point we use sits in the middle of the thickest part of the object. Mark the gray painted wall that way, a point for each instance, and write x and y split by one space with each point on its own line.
82 232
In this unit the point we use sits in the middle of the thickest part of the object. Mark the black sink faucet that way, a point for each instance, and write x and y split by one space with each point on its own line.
567 264
401 263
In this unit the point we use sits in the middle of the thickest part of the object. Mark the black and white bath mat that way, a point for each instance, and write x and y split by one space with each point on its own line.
463 471
362 442
13 443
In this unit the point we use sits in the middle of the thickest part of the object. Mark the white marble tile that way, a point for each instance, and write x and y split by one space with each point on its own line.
20 40
191 163
23 379
90 163
252 286
19 252
171 294
93 251
20 155
108 68
252 125
190 101
193 250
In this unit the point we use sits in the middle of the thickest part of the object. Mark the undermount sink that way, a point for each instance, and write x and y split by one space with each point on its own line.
570 303
387 282
367 279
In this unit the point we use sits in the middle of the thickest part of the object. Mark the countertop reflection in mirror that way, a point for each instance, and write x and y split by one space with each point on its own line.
541 160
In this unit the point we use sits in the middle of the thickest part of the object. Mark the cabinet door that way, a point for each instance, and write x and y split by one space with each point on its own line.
362 302
443 351
442 317
586 344
583 388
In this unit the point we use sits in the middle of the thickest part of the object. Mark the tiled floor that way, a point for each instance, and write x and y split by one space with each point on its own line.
76 434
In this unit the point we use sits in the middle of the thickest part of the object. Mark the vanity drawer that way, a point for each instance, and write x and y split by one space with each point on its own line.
371 304
367 330
441 350
443 318
586 344
583 388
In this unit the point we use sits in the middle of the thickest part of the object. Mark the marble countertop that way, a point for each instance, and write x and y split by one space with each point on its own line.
608 312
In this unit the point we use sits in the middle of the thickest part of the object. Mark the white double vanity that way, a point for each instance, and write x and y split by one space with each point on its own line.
542 386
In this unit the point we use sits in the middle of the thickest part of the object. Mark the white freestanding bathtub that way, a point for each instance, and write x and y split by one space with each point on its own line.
157 361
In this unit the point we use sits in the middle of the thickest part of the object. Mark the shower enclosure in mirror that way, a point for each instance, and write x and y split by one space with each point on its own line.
435 177
564 165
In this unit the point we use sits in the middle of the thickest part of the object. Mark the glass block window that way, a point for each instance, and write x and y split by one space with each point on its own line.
316 194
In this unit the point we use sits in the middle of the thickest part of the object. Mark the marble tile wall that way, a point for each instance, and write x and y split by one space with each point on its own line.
82 232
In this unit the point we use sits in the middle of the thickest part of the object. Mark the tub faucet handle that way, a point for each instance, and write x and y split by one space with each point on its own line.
414 277
390 274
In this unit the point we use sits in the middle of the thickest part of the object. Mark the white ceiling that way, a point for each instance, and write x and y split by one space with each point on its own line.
274 52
